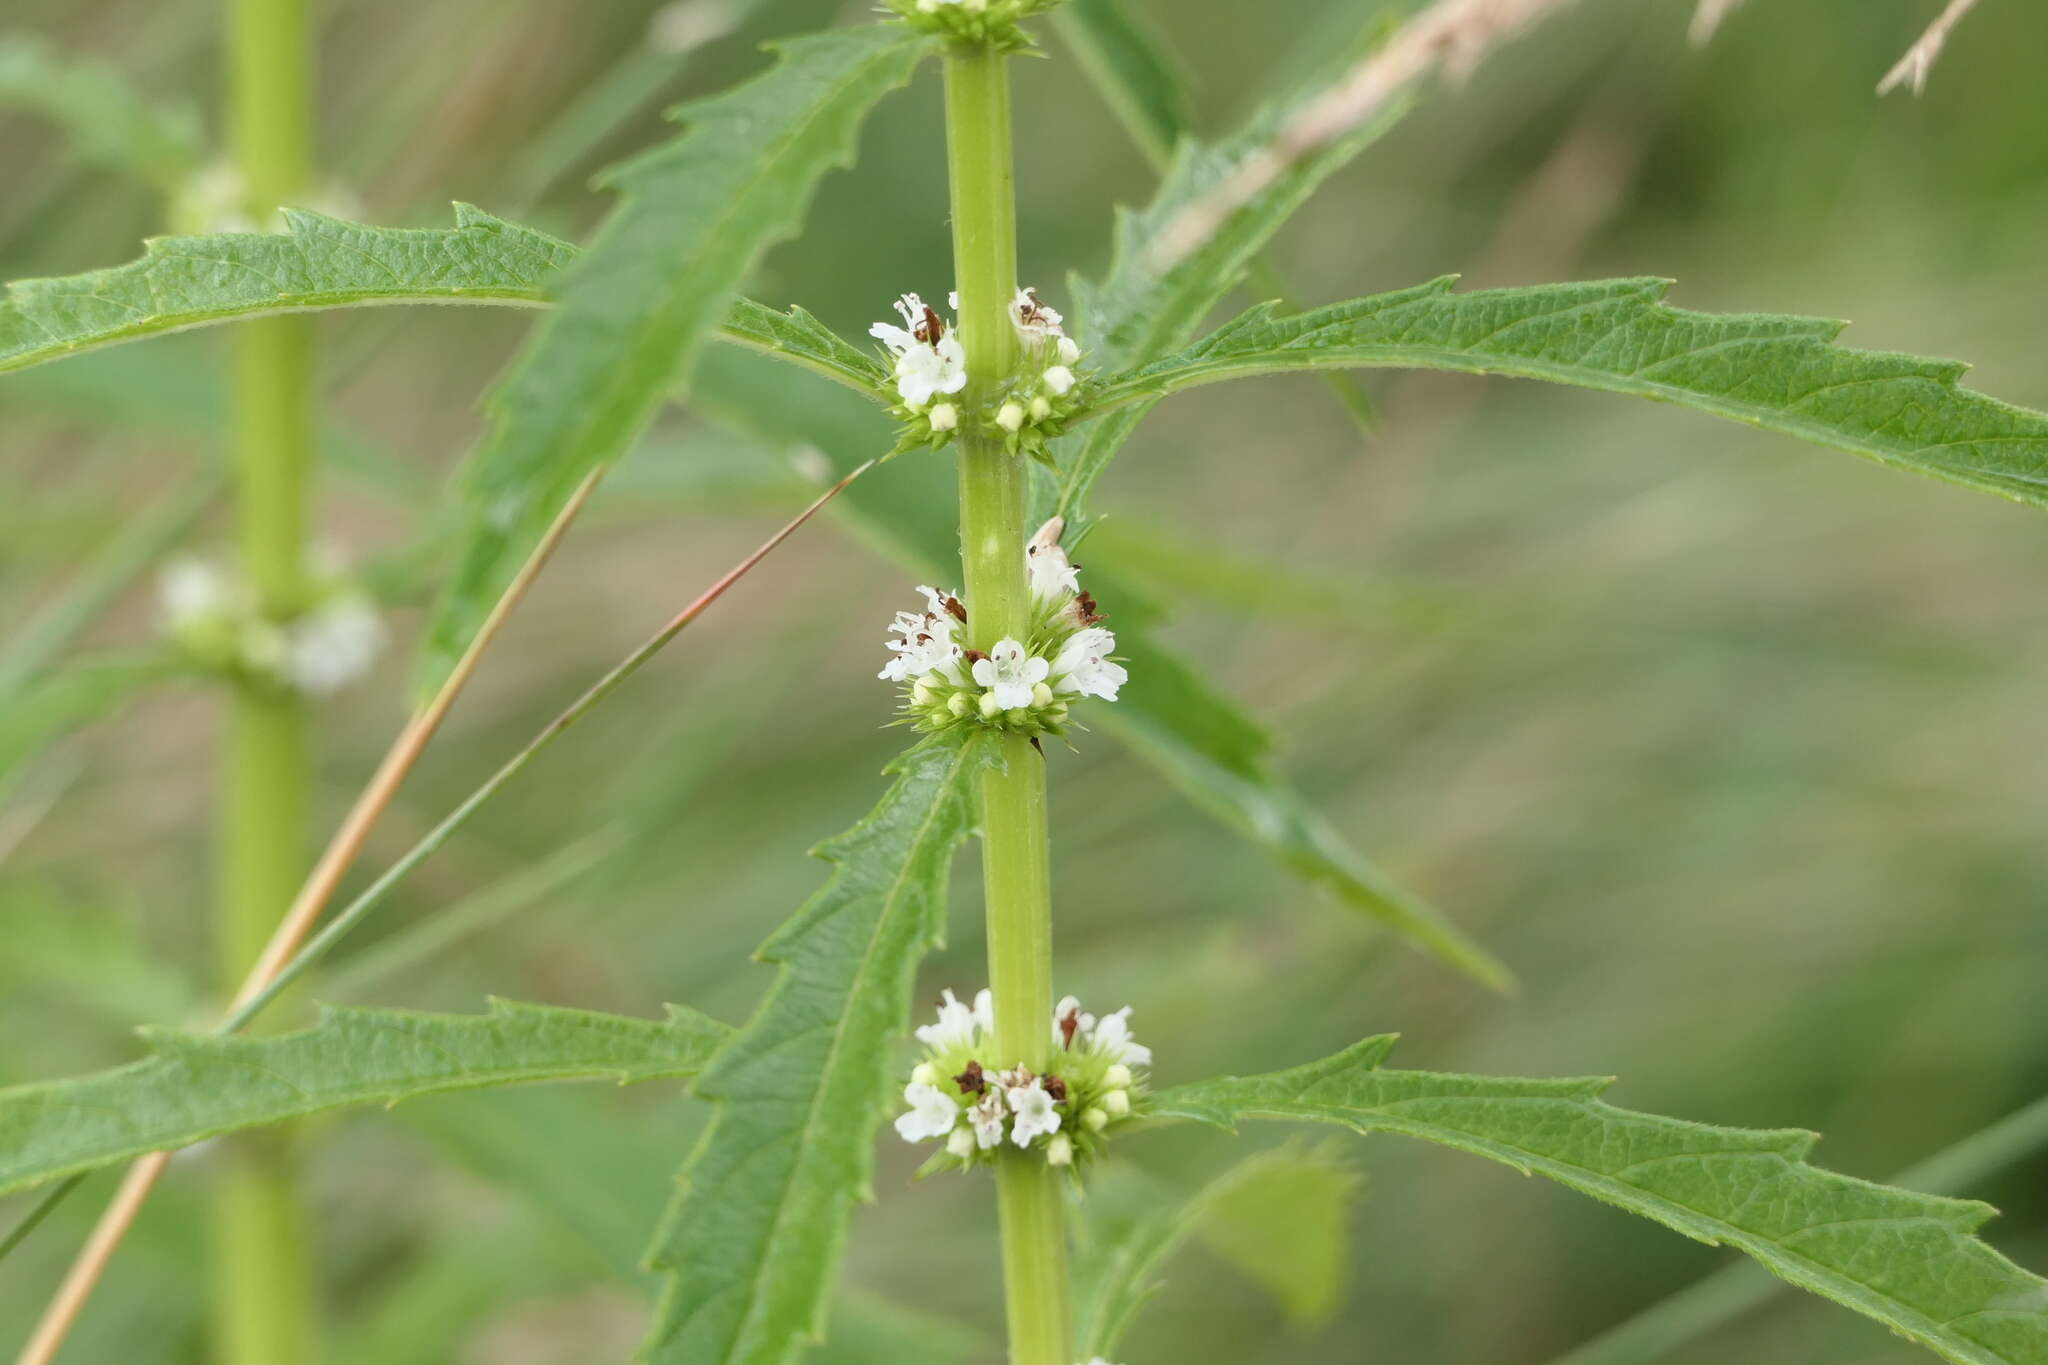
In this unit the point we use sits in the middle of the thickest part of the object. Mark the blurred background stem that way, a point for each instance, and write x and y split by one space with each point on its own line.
263 1281
1015 847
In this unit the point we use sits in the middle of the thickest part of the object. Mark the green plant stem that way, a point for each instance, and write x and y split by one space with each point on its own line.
1015 850
264 1283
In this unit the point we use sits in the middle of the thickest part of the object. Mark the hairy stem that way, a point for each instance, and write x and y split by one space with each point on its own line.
263 1281
1015 850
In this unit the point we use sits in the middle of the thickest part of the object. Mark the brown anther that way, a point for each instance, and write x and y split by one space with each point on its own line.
932 330
970 1081
1070 1023
1056 1088
1085 606
954 609
975 656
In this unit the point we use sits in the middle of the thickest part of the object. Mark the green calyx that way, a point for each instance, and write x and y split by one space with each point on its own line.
993 24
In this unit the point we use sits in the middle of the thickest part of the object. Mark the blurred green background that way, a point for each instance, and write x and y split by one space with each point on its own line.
1730 746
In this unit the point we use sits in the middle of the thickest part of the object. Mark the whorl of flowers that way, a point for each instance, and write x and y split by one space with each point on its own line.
928 365
215 620
982 22
1025 686
961 1094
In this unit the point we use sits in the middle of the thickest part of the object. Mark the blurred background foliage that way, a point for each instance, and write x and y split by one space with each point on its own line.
1730 746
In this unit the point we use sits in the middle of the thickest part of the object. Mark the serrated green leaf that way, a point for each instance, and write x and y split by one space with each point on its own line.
1782 373
694 217
200 1085
1131 69
1277 1217
797 336
1692 1312
756 1228
318 263
322 263
1140 312
1908 1260
112 123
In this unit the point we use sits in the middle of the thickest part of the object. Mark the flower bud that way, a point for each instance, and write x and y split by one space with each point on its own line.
1059 379
960 1142
924 1073
1117 1103
923 691
1094 1119
989 707
1010 416
1069 352
944 417
959 704
1118 1077
1040 407
1041 695
1059 1151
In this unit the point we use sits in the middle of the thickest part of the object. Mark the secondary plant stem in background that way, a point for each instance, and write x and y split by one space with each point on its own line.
1015 849
264 1283
286 943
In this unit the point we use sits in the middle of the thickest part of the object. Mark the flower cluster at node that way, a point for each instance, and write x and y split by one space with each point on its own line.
960 1094
217 622
1025 686
992 23
928 365
1042 397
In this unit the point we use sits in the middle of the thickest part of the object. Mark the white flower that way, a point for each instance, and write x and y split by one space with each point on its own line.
1112 1037
959 1025
987 1117
333 644
1010 674
1033 1110
1083 665
927 645
1059 379
928 361
1067 1012
1035 321
191 590
932 1114
1046 563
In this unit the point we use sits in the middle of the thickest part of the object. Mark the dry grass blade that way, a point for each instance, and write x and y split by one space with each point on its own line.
1453 36
1921 57
1706 20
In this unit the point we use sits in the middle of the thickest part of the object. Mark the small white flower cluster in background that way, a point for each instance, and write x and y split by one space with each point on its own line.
1026 685
990 22
215 199
1097 1079
215 619
929 367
